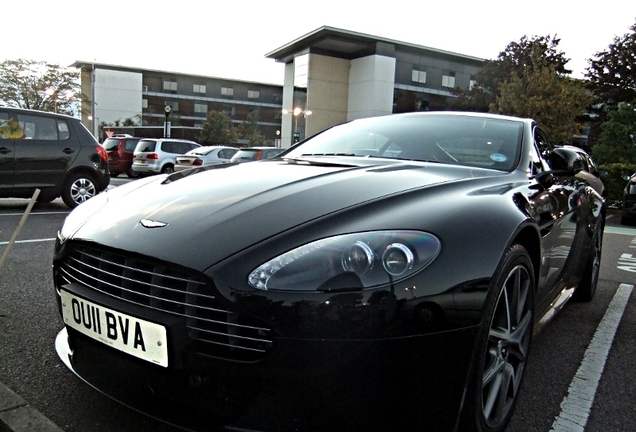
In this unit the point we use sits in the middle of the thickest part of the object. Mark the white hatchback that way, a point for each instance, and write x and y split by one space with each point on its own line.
158 155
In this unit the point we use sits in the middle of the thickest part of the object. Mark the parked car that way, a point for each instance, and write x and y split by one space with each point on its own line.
383 275
628 206
51 152
204 155
120 149
255 153
153 156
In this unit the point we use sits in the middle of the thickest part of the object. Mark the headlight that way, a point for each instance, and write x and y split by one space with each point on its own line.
351 261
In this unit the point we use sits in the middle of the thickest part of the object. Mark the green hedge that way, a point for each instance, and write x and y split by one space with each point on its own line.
614 183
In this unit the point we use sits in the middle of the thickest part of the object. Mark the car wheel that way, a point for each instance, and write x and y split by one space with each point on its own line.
587 287
132 174
78 188
504 343
167 169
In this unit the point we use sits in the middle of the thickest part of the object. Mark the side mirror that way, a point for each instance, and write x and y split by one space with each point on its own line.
565 160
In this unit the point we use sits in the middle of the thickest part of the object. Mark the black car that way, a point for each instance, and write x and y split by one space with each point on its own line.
51 152
384 275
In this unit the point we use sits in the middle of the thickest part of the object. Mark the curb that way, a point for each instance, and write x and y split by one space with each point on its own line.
16 415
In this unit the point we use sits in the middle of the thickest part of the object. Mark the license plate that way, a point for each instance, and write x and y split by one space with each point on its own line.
134 336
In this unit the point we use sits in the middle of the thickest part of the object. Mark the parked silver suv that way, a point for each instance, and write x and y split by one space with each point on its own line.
158 155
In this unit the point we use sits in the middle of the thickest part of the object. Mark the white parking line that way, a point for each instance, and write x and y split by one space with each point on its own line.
28 241
620 230
576 406
36 213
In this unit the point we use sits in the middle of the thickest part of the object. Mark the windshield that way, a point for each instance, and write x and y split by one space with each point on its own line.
455 139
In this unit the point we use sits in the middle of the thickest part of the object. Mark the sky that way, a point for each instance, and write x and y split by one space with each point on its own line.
230 39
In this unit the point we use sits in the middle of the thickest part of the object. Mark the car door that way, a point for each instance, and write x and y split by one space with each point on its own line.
7 152
553 211
46 153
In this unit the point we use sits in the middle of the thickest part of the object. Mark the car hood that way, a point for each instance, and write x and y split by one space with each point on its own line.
200 218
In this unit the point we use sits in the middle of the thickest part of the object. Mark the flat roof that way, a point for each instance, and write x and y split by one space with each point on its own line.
348 44
90 65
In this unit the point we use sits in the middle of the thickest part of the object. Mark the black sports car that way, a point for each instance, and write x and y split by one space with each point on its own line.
628 206
385 274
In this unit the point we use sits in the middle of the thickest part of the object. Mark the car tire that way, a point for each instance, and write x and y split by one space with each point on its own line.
503 344
132 174
78 188
587 286
46 197
167 169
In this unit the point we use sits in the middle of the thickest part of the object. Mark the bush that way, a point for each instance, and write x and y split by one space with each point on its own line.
614 183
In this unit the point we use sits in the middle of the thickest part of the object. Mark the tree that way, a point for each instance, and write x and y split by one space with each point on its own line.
517 57
617 141
541 92
611 74
217 129
39 85
612 79
249 130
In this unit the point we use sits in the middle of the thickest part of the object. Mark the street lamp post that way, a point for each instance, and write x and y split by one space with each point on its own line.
296 112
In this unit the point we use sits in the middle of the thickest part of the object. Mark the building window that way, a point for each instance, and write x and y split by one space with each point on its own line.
144 103
418 76
230 111
472 82
173 104
200 108
198 88
227 91
252 94
170 85
448 80
301 70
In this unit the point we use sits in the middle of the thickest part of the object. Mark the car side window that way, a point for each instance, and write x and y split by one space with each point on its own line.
540 149
10 128
64 132
168 147
40 128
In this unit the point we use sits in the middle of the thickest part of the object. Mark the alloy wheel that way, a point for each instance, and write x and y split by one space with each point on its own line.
507 347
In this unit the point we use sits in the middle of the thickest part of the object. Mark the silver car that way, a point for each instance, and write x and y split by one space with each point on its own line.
158 155
205 155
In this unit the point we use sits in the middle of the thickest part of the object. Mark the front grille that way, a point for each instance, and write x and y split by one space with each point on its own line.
213 331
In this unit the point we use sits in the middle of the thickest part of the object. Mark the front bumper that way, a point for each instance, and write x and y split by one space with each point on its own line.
400 384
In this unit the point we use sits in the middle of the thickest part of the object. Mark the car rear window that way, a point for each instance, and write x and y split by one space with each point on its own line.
111 144
145 146
246 155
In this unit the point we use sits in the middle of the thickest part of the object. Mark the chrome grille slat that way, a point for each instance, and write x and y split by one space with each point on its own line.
130 279
233 346
150 297
160 286
184 315
132 268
